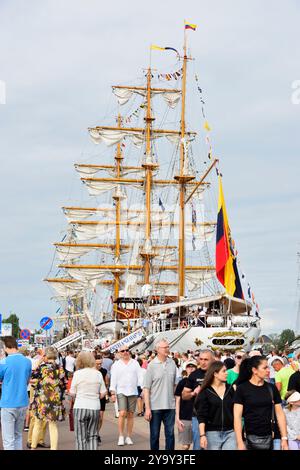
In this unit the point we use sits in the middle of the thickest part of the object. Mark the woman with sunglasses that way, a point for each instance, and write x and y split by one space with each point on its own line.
125 379
232 374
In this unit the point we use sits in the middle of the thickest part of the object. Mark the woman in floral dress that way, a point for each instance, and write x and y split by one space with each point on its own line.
47 405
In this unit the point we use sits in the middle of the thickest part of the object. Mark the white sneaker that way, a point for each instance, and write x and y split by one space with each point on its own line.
121 441
128 441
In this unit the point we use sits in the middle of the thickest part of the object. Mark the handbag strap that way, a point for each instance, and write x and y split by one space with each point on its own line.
270 388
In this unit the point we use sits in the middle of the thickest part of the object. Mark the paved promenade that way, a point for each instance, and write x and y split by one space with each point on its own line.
109 434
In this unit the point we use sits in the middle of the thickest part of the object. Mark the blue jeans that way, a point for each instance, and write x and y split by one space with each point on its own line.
276 444
221 440
12 422
168 418
196 434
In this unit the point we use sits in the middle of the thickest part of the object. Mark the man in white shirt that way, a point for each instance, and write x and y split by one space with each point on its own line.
125 378
70 363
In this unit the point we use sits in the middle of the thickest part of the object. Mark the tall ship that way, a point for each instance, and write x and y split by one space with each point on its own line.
151 251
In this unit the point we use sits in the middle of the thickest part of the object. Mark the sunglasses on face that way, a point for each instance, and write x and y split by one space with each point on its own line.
124 350
239 357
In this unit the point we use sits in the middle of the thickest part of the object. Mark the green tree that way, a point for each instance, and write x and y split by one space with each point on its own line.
275 339
286 337
14 320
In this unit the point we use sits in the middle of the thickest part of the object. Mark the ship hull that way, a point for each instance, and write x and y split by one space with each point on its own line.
184 339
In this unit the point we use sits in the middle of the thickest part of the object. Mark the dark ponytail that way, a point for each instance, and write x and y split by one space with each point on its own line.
246 368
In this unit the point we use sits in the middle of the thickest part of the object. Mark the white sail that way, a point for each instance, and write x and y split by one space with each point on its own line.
115 136
87 275
68 253
77 214
86 171
123 95
66 289
89 232
132 277
95 188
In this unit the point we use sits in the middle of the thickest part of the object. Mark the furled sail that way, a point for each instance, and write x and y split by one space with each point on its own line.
87 275
123 95
91 170
77 214
95 188
89 232
112 136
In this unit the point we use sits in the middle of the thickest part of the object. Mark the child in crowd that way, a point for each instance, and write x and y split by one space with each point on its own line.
292 413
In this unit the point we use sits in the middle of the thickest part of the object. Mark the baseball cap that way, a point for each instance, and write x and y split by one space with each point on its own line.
254 353
290 356
277 358
294 397
191 363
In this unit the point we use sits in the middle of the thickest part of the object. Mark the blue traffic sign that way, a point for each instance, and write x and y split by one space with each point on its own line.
25 334
46 323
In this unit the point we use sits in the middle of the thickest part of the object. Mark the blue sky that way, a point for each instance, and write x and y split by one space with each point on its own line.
59 59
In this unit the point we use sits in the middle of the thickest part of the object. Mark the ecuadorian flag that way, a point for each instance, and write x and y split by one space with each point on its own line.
226 266
190 26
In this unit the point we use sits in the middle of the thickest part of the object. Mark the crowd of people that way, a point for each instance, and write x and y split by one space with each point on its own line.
214 400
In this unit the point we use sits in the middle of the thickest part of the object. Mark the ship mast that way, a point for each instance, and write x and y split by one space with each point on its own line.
149 166
117 198
182 179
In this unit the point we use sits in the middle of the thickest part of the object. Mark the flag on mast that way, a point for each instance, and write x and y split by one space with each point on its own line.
159 48
226 265
190 26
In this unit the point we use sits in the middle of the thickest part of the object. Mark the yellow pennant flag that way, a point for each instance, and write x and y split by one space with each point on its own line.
157 48
207 126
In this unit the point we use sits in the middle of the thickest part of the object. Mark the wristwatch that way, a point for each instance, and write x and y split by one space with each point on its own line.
202 435
284 438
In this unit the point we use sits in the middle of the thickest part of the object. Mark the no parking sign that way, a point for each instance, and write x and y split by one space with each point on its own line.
25 334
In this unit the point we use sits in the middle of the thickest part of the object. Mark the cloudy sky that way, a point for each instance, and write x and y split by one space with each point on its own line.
58 61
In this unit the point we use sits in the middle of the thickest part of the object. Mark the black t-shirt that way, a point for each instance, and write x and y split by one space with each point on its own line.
186 406
103 372
257 403
196 378
294 382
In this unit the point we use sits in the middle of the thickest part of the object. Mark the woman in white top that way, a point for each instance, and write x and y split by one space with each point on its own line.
87 387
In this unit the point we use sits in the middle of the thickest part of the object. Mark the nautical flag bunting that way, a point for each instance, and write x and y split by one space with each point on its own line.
159 48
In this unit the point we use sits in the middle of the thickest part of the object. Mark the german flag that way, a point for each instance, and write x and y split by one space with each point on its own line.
226 266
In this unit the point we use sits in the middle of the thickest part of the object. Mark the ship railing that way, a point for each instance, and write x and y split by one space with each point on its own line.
160 325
